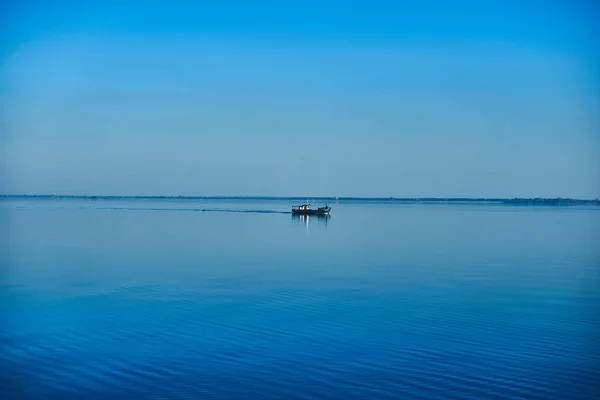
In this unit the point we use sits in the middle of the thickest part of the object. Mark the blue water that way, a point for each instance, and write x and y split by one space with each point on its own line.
157 299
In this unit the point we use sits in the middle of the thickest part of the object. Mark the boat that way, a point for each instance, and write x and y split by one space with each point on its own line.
305 209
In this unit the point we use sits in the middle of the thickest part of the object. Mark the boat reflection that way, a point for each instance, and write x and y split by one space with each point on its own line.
306 220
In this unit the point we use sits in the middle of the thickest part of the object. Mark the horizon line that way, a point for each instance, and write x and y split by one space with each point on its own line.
291 197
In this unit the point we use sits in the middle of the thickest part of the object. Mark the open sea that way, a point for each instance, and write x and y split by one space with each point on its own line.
158 299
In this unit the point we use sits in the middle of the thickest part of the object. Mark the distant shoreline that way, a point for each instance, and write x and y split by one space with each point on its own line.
510 201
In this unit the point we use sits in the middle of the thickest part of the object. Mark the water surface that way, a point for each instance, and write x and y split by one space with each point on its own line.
159 299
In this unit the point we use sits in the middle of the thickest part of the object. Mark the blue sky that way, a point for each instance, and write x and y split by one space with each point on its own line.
469 99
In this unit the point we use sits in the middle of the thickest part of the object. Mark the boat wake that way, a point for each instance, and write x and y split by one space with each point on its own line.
161 209
245 211
230 210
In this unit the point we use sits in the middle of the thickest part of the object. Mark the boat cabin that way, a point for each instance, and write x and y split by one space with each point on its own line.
303 207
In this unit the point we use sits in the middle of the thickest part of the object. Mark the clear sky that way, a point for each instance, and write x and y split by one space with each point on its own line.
312 98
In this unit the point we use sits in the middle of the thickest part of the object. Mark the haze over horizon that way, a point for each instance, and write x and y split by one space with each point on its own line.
311 198
377 99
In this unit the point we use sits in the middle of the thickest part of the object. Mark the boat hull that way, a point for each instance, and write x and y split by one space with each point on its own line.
311 212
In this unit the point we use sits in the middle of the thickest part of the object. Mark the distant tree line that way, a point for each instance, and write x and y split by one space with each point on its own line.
559 201
539 201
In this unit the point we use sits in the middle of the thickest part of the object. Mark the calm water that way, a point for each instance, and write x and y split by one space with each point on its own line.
158 299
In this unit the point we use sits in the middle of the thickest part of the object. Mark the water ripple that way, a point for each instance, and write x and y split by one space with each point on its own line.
177 308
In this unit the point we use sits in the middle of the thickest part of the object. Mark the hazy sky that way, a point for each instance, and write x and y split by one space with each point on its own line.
430 98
